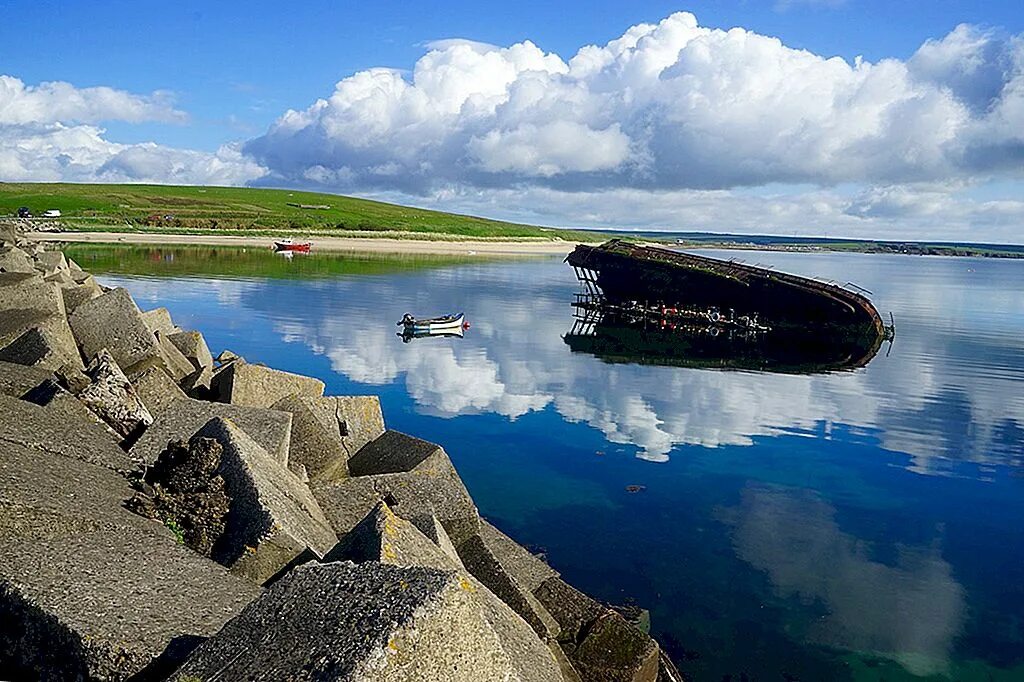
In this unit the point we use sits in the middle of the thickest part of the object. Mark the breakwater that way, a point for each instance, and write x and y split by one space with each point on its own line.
171 516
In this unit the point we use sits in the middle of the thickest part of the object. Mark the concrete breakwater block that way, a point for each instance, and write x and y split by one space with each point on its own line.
89 590
16 379
272 516
479 559
51 262
64 427
328 431
74 296
113 321
240 383
13 259
430 485
178 417
47 345
366 622
174 361
193 346
113 398
159 320
386 538
598 641
28 291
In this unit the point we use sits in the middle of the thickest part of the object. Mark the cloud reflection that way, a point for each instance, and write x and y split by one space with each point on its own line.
909 610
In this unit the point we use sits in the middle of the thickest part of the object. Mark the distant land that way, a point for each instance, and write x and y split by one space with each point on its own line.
246 211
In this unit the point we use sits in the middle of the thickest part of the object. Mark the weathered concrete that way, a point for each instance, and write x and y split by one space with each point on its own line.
327 431
28 291
63 427
431 487
240 383
178 417
527 569
86 290
273 517
435 532
49 262
193 346
367 622
159 320
479 559
15 260
17 379
113 321
176 364
184 491
392 452
89 590
48 345
113 398
384 537
598 641
197 385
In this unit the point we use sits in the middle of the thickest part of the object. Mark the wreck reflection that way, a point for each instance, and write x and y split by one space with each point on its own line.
617 338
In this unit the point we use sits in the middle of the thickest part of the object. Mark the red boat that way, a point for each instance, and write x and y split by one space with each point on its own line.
290 245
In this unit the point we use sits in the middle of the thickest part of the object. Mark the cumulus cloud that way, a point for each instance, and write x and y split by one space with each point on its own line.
666 106
62 102
49 132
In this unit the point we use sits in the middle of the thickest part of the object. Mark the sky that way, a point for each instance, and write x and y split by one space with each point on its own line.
855 118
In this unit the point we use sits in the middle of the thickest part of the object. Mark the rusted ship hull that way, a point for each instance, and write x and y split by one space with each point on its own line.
622 273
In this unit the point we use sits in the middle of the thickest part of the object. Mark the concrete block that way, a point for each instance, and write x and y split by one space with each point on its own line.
386 538
90 591
159 320
62 278
528 570
176 364
435 532
86 290
598 641
63 427
15 260
240 383
113 398
178 417
359 623
28 291
273 517
48 345
391 452
193 346
431 487
113 321
479 560
49 262
197 385
16 379
327 431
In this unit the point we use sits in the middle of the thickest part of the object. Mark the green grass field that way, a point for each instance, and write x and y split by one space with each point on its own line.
238 210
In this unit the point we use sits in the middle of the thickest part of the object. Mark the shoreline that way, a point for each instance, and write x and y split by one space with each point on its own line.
372 245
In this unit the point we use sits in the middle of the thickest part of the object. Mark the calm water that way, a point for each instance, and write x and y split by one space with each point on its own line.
853 526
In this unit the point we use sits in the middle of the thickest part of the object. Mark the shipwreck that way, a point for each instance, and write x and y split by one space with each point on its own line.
653 305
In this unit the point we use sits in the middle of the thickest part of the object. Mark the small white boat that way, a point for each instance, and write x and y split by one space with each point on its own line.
448 324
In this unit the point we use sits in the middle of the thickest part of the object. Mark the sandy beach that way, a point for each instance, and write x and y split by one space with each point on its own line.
333 244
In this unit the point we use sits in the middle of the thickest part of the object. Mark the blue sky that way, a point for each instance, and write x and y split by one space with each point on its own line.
229 72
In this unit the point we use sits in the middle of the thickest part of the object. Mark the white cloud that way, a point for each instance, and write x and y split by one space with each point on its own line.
80 153
49 133
667 106
57 101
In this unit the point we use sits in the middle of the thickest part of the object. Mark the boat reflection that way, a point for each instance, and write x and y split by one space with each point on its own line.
723 344
408 334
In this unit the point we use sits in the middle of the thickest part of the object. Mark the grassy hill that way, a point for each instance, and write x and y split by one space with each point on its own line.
232 210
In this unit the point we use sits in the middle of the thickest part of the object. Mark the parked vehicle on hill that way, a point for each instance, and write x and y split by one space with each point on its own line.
24 212
51 213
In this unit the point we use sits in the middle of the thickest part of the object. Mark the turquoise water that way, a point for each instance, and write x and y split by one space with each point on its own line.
862 525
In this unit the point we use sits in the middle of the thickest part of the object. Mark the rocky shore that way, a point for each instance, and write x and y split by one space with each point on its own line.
166 515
